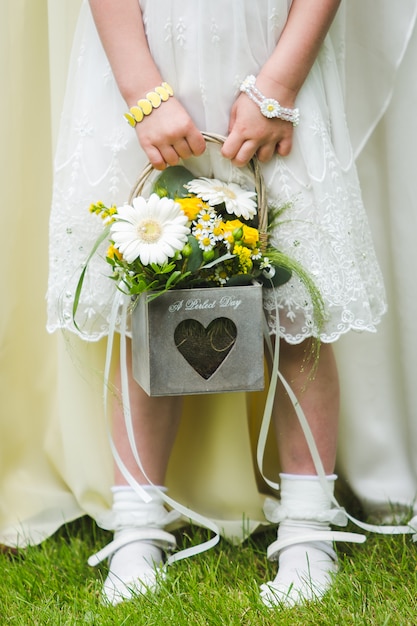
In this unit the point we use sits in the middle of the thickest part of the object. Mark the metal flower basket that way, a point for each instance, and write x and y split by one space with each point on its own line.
192 341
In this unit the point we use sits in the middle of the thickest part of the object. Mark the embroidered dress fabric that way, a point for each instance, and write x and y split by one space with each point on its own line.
98 158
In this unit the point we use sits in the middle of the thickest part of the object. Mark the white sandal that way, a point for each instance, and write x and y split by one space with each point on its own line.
136 563
304 547
136 555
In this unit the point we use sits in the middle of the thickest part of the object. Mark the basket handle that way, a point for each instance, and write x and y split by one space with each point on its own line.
255 169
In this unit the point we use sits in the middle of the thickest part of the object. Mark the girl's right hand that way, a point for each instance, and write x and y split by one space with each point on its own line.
169 134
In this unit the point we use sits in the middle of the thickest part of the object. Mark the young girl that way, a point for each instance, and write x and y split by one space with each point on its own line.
206 51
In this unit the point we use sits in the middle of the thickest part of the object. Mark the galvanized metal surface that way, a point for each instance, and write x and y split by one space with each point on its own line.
161 369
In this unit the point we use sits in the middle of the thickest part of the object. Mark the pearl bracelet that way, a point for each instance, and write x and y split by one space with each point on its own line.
146 105
268 106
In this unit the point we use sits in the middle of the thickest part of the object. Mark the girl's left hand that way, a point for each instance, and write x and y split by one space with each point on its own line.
252 133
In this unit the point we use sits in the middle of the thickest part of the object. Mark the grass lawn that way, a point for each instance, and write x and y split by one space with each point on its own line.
52 584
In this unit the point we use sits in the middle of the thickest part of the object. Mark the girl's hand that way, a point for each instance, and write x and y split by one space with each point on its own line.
281 78
168 134
252 133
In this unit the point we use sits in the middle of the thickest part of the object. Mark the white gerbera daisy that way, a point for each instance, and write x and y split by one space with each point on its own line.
238 202
152 230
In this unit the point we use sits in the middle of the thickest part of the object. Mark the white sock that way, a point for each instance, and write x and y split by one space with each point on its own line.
136 567
305 570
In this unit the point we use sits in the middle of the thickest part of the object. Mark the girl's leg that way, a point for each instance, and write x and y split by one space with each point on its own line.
136 554
155 423
306 565
319 399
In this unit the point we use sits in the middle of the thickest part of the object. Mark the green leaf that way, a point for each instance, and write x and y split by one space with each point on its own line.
220 259
104 235
195 259
282 275
171 182
240 280
163 269
173 279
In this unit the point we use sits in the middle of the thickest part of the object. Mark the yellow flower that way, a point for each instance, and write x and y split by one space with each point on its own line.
250 236
106 213
233 225
191 206
113 253
229 228
96 207
229 238
244 256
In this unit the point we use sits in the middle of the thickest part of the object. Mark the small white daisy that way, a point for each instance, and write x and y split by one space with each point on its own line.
206 240
217 229
265 263
206 217
267 269
220 275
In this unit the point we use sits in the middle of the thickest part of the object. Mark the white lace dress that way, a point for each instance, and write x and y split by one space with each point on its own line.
205 49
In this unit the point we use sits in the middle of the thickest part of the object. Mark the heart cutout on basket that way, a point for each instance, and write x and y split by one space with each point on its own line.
205 349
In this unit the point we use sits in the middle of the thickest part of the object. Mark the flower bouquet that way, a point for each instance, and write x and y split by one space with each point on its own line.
193 256
190 232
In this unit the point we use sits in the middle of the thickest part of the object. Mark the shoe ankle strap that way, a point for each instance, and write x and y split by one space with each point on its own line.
314 536
157 537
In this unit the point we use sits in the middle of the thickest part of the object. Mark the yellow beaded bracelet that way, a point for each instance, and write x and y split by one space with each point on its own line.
145 105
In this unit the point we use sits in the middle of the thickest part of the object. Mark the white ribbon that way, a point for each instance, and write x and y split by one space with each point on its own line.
266 421
121 301
120 304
